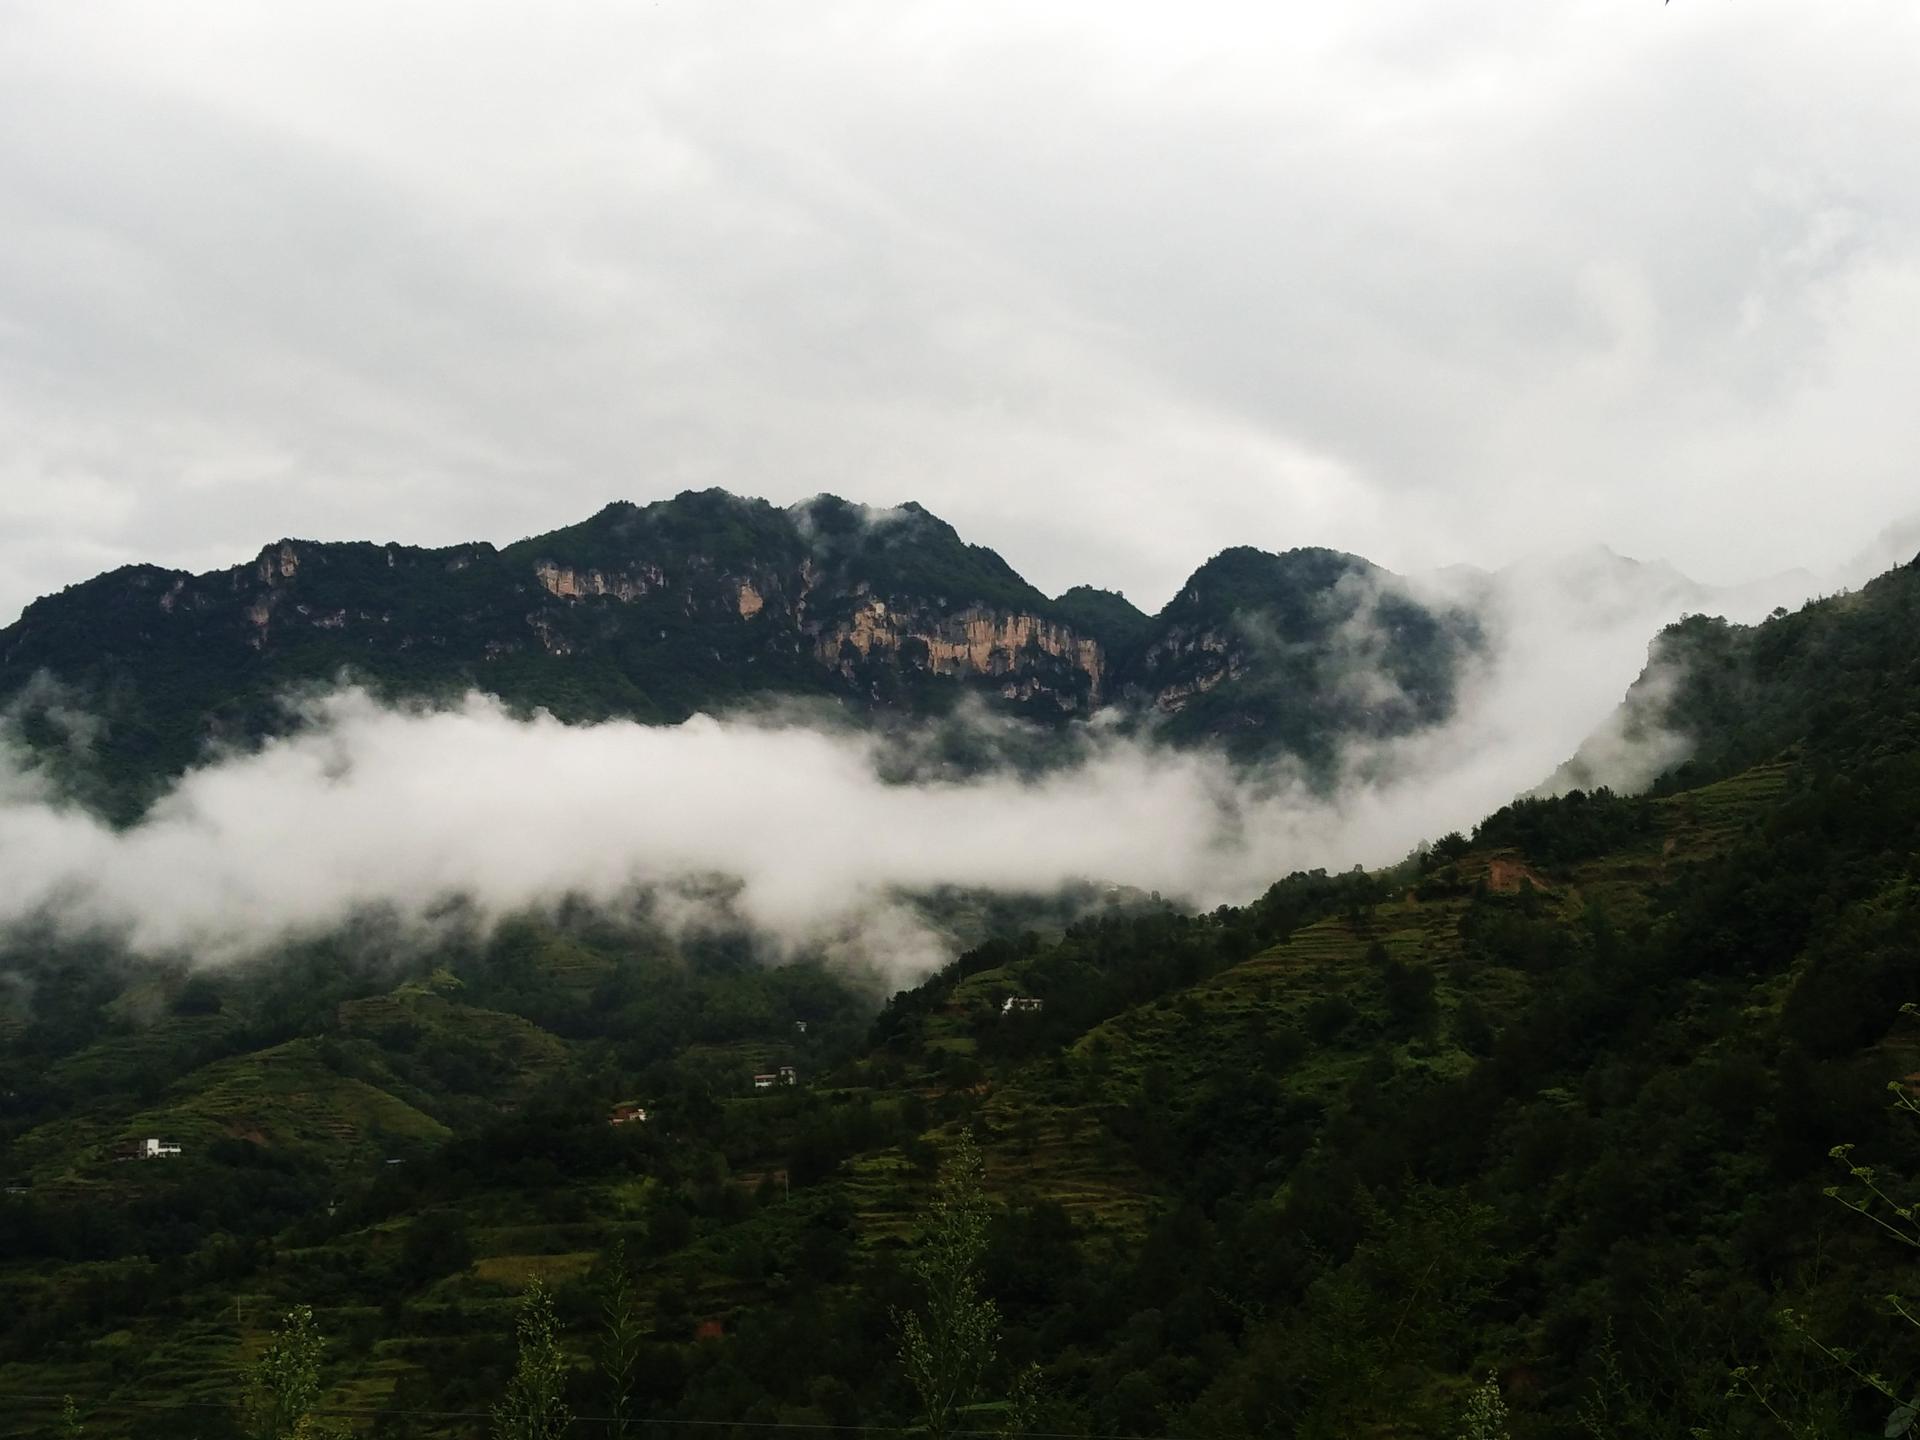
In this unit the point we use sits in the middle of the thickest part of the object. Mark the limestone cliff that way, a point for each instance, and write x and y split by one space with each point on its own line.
974 642
566 583
1030 655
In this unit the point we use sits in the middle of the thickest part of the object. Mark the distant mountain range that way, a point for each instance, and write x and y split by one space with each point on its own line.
708 601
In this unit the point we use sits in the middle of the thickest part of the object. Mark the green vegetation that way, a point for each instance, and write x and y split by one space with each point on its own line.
1838 676
947 1343
622 1336
1579 825
1298 651
534 1407
1555 1103
283 1387
1107 616
1486 1417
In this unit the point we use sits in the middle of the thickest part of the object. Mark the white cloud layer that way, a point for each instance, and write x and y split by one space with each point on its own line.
1109 285
403 810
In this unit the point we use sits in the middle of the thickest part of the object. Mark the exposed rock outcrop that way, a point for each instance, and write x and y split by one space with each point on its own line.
1206 657
566 583
278 562
971 642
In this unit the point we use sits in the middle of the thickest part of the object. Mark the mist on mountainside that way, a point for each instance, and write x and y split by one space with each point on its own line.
828 829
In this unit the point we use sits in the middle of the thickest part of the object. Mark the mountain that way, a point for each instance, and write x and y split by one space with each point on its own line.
1575 1102
708 601
1297 651
1725 696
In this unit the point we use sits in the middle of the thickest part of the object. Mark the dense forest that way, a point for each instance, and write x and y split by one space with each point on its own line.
1592 1122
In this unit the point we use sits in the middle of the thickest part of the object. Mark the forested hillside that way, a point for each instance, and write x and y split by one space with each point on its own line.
1554 1102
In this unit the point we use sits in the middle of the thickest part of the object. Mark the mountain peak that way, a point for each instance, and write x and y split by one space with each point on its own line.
1242 577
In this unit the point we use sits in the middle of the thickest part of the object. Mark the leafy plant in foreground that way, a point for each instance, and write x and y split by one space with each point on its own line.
284 1384
1871 1195
534 1407
1486 1412
620 1339
947 1346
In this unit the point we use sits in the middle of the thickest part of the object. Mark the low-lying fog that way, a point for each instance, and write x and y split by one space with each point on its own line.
372 806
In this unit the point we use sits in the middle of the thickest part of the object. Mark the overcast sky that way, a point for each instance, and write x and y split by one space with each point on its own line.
1107 285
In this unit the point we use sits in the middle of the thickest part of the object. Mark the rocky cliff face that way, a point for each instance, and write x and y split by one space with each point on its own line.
1206 657
867 632
564 583
973 643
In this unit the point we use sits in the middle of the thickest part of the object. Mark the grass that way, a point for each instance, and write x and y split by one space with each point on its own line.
513 1273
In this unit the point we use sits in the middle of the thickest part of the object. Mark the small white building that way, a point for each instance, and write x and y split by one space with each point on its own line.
1020 1005
788 1075
765 1082
151 1149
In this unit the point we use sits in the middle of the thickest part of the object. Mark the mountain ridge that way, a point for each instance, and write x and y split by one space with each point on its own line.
1717 696
707 600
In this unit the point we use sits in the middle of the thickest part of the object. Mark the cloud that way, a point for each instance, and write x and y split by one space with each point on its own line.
811 834
1109 286
1633 746
398 810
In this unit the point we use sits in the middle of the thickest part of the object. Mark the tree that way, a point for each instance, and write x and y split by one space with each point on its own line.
1409 989
1883 1201
1022 1416
534 1407
1897 1215
948 1345
283 1385
1486 1412
620 1339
